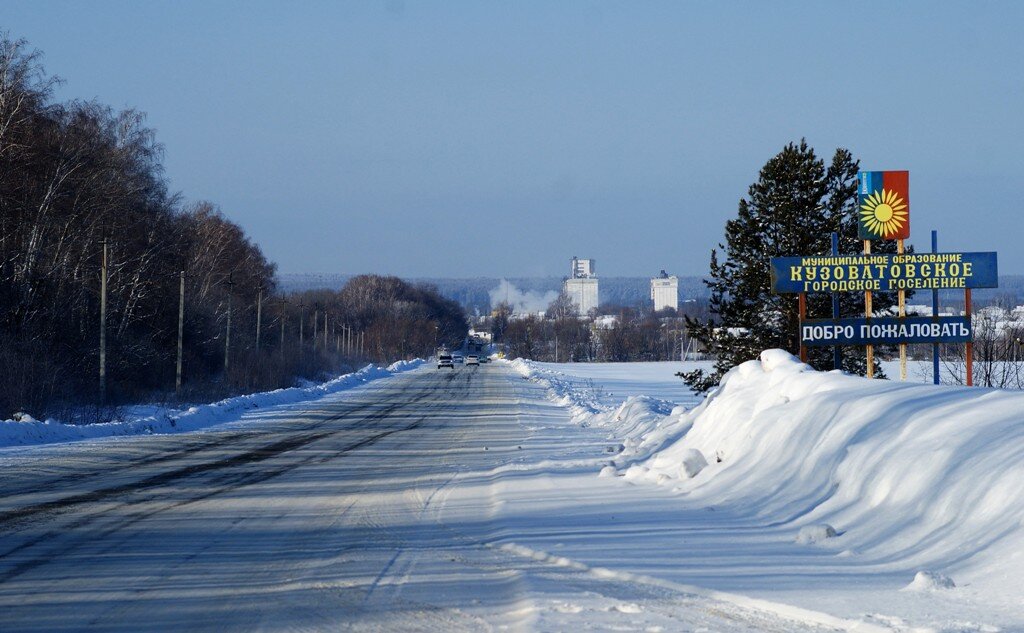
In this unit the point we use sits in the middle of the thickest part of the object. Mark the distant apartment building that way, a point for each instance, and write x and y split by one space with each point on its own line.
581 285
665 291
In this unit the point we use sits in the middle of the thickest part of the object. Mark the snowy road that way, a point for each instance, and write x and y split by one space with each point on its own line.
419 502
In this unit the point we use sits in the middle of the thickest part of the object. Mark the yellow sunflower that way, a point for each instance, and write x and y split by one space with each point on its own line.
884 213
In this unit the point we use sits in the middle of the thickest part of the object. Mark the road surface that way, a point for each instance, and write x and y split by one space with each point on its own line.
413 503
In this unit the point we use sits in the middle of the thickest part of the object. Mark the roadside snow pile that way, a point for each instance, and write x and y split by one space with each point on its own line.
583 403
26 430
643 424
912 476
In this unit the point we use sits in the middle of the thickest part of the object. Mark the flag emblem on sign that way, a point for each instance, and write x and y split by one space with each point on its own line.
883 205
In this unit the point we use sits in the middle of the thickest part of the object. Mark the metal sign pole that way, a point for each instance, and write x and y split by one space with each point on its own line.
802 307
935 313
970 346
903 312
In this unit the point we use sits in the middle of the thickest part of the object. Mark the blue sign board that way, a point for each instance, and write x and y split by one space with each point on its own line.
884 272
886 330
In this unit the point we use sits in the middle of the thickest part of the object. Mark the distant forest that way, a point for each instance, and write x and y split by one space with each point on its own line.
473 293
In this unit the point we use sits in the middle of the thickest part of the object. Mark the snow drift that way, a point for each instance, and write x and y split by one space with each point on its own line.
911 476
643 424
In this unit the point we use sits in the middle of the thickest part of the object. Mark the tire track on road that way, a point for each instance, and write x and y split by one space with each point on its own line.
255 456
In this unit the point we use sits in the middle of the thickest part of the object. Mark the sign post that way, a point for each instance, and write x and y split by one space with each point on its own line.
802 309
935 313
837 354
903 312
969 352
867 315
883 200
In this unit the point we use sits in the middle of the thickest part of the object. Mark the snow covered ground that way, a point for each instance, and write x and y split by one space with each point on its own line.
530 497
431 501
147 420
860 498
611 383
614 382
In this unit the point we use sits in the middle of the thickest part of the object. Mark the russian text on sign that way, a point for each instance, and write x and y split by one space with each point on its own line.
880 273
886 330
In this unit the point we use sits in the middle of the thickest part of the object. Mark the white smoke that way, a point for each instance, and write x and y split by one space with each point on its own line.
521 302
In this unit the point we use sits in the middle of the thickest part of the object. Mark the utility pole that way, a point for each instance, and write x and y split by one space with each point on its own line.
259 316
227 337
181 330
283 314
325 329
302 317
316 321
103 325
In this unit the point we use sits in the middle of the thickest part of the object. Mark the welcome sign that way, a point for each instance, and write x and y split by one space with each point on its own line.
886 330
884 272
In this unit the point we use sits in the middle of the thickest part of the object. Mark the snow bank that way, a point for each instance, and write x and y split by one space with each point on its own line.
643 424
912 476
28 431
582 402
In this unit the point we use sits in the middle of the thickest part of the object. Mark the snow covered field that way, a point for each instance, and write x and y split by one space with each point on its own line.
612 383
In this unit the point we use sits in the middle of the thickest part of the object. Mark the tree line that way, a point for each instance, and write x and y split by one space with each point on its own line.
612 334
83 192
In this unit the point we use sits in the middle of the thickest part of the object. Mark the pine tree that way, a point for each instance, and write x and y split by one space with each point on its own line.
791 210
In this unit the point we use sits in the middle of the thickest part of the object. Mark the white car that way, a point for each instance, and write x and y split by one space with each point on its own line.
472 359
445 360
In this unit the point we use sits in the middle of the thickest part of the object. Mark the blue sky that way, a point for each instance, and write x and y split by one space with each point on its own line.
497 138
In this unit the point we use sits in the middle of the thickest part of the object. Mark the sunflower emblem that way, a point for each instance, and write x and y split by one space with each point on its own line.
884 213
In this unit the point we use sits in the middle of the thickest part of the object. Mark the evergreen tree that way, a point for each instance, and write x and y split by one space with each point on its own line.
792 209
